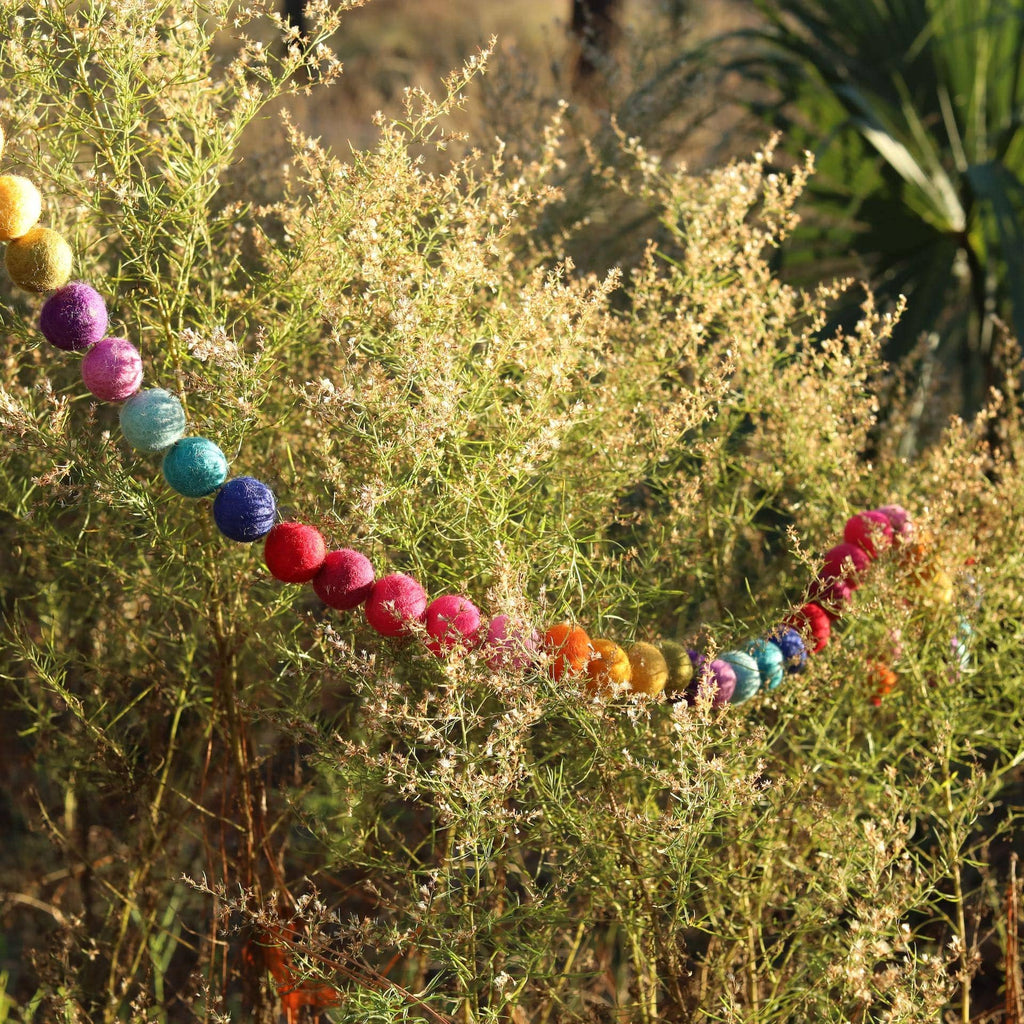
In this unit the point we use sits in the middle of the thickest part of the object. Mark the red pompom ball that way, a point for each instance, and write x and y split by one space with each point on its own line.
395 602
868 531
345 579
294 552
812 617
452 621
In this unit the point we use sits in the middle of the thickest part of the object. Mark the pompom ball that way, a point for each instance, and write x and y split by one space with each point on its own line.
294 552
882 681
811 619
345 579
569 649
649 669
869 531
510 645
748 675
831 596
74 317
112 369
899 519
244 509
770 662
845 562
152 420
722 678
452 621
20 206
394 604
680 668
195 467
792 646
609 666
39 261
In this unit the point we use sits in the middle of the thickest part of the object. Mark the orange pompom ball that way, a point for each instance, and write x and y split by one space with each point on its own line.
882 679
39 261
20 206
650 669
569 649
608 667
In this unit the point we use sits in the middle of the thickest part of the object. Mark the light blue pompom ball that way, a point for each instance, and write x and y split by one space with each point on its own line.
195 466
748 676
152 420
769 660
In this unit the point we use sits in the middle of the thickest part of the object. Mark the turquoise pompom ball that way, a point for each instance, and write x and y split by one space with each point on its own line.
770 661
152 420
748 675
195 467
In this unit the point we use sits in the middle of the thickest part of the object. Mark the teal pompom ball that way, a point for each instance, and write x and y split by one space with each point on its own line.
748 675
152 420
195 467
770 661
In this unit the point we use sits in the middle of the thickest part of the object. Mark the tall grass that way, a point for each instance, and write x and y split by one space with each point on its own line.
224 802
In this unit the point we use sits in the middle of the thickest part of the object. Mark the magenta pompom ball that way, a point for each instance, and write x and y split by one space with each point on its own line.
510 645
869 531
112 369
294 552
845 562
452 621
345 579
74 318
395 603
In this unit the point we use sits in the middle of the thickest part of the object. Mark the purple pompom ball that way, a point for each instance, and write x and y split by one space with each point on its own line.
74 317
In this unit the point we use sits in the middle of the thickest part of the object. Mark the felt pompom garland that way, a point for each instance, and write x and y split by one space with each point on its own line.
74 319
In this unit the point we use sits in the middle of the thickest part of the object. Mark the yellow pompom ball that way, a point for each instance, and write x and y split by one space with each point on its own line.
608 666
39 261
650 670
20 206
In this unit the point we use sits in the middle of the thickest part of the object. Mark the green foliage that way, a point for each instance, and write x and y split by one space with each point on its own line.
913 112
216 790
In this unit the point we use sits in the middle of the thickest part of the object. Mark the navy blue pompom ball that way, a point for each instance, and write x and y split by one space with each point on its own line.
244 509
794 650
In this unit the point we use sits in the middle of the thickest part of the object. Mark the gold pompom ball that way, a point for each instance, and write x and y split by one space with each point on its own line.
650 670
20 206
608 667
39 261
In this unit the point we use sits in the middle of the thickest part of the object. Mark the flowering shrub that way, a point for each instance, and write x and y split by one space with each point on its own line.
226 801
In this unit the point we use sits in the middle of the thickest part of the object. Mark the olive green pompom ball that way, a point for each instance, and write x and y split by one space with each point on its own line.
20 206
39 261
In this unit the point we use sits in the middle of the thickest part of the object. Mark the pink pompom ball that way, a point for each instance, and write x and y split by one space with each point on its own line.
294 552
510 645
112 369
452 621
395 603
869 531
899 519
345 579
